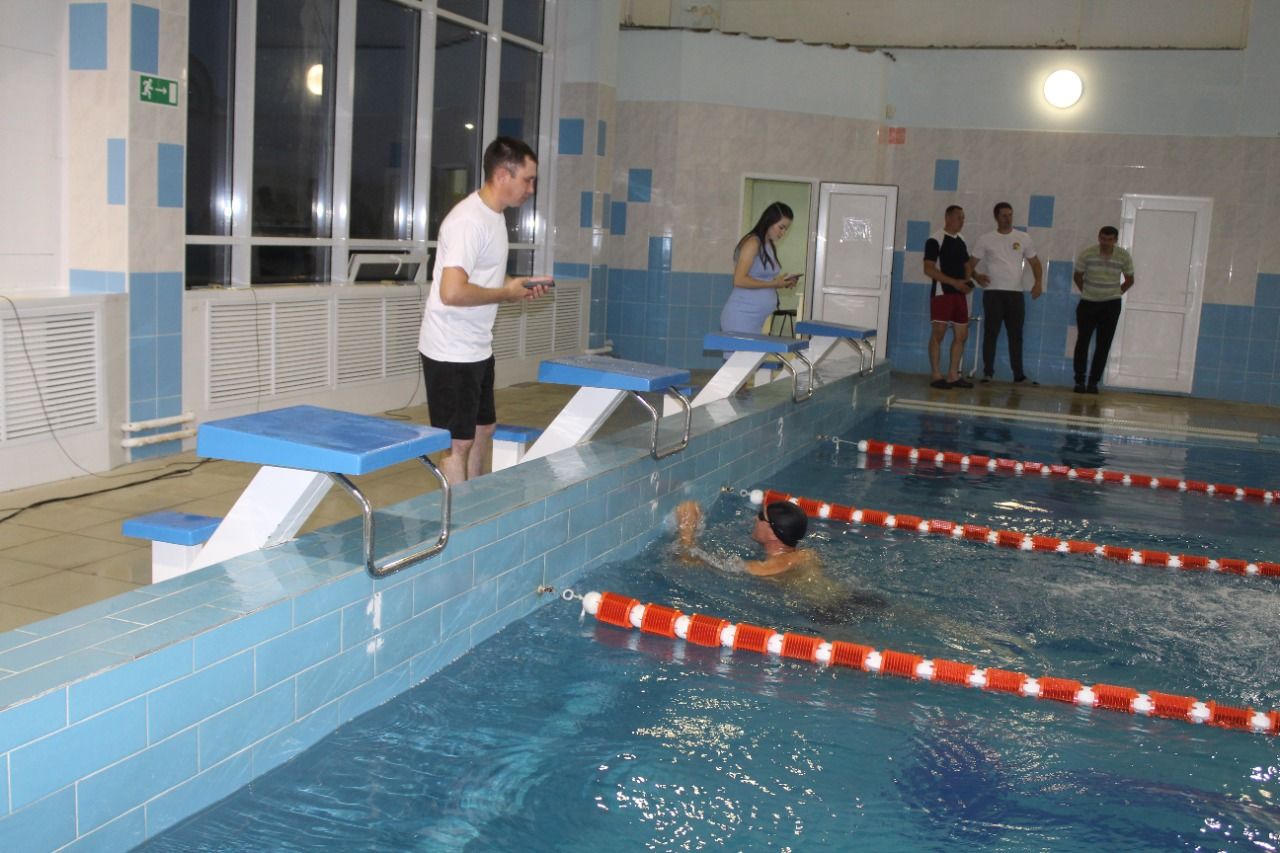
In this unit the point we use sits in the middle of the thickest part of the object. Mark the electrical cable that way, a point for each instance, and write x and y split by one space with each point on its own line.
168 475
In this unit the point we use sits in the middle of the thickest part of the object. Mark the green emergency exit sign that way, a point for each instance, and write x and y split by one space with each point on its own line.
157 90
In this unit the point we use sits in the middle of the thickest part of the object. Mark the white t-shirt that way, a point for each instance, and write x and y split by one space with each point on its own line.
473 237
1002 257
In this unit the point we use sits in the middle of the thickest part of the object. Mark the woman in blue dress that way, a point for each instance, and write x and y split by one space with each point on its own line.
756 274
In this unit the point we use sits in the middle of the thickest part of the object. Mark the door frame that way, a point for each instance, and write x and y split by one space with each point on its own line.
1202 207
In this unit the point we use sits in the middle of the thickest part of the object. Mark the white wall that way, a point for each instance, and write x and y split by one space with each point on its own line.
711 68
590 41
32 59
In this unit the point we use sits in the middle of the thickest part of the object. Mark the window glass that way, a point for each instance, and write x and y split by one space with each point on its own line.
289 264
457 108
208 266
520 262
293 119
384 112
523 18
210 95
476 10
518 104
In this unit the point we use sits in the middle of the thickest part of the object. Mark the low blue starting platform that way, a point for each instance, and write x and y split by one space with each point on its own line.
746 353
303 450
604 383
824 337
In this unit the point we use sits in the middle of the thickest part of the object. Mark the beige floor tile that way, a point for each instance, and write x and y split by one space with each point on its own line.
13 533
16 571
68 517
62 591
12 616
67 551
132 566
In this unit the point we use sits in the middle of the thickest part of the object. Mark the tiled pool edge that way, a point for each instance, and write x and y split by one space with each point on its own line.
126 717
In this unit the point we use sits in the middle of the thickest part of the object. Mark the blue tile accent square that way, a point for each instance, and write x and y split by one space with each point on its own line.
116 282
571 133
142 304
144 39
47 765
1040 211
87 31
169 293
142 368
116 169
602 128
109 794
169 176
917 235
946 175
660 253
169 366
584 209
87 281
1267 292
46 825
618 218
639 185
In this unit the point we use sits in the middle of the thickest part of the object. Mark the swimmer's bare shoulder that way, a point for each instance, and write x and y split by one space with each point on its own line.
801 558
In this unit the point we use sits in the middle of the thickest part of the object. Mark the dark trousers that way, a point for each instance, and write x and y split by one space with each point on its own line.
1007 308
1100 317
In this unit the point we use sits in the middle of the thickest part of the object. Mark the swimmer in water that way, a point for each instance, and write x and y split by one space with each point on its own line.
778 529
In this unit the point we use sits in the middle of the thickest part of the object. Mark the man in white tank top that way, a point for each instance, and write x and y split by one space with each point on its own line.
468 282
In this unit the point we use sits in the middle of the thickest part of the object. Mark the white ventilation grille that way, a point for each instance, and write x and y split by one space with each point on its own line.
302 346
239 358
539 319
506 331
360 340
403 319
569 319
63 369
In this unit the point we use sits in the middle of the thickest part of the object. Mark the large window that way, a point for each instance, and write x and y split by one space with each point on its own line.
322 128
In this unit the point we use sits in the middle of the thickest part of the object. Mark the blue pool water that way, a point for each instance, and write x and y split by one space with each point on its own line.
562 734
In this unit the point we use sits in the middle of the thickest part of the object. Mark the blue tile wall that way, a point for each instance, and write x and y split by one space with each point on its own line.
155 353
639 185
602 128
116 169
169 176
606 211
618 218
585 209
87 36
144 44
1040 211
946 175
917 235
571 133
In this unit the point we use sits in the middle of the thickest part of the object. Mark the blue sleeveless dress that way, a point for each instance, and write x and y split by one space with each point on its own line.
747 308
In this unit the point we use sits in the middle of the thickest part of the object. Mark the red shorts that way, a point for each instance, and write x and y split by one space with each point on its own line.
952 308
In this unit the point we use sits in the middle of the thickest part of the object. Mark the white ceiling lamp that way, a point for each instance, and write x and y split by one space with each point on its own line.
315 80
1063 88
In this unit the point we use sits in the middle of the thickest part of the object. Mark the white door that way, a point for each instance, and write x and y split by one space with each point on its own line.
1155 345
853 261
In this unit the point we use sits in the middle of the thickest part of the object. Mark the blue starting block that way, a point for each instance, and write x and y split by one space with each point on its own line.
303 450
747 353
824 337
605 382
175 538
511 443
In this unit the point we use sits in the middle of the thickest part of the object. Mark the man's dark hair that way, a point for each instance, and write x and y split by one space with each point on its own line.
1109 231
952 207
995 211
506 152
788 522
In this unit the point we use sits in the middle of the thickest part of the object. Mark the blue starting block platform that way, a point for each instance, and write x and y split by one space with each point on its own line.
176 539
824 337
303 450
604 383
746 353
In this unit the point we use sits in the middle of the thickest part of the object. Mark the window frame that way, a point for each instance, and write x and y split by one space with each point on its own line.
242 240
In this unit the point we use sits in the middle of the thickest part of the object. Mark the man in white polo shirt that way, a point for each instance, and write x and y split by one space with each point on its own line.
1001 254
469 281
1104 273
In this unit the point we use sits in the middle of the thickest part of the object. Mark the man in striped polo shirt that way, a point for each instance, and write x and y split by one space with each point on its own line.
1103 273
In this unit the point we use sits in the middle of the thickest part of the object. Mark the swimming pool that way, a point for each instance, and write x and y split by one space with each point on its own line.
570 735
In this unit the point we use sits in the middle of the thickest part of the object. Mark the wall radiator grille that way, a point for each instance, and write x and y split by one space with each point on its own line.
64 350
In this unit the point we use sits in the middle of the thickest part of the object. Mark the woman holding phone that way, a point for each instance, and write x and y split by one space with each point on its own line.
757 277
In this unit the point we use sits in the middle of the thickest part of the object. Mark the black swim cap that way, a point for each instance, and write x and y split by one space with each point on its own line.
787 521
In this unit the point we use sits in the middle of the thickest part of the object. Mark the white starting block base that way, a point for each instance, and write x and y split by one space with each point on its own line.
747 353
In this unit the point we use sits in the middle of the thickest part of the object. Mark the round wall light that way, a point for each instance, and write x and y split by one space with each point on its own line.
1063 88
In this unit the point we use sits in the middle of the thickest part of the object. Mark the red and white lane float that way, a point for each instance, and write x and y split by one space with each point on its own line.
917 455
1016 538
703 630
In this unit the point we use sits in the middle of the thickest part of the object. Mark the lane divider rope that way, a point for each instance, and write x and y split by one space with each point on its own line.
1016 538
703 630
971 461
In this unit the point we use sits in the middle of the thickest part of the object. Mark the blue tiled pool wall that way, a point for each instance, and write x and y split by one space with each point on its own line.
658 240
124 717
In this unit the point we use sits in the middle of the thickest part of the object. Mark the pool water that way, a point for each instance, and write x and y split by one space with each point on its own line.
564 734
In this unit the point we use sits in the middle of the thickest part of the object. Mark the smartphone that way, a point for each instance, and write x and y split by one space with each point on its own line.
796 277
542 282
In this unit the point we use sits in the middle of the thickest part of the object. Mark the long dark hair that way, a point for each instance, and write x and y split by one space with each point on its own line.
771 216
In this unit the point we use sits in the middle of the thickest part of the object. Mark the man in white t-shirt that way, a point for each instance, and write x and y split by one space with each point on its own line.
469 281
1001 254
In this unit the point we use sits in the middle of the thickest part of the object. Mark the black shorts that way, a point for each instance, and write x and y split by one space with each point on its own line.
460 395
